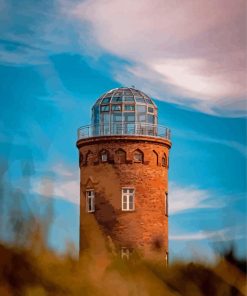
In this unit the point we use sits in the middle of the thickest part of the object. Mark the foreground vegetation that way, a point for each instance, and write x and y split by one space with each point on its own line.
33 269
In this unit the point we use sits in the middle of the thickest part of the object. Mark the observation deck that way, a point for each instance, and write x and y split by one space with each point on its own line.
124 129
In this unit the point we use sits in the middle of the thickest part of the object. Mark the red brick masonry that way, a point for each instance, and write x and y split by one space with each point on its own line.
145 228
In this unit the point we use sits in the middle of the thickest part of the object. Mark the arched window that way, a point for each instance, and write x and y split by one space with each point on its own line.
80 159
125 253
120 156
156 157
164 160
103 156
138 156
89 157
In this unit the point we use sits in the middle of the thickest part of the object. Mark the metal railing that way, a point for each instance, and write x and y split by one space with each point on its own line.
137 129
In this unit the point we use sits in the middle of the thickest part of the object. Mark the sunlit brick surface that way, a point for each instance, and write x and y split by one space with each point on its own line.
146 228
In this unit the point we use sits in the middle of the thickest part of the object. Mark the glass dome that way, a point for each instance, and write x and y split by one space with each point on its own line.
123 108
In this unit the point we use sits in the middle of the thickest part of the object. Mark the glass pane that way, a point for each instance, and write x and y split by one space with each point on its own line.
129 128
125 198
129 117
90 204
149 101
124 206
131 198
96 115
141 117
116 107
131 190
118 94
106 100
124 190
150 118
104 157
129 107
105 118
117 128
141 108
105 108
140 100
128 93
117 99
150 109
131 206
129 99
117 117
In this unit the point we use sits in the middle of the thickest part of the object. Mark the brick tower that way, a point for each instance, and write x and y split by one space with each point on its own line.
124 172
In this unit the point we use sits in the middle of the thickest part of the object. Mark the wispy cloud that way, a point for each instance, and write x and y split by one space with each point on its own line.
30 34
191 198
64 184
195 136
225 234
193 53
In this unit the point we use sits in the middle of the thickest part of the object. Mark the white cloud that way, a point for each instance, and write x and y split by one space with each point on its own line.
200 235
225 234
193 53
194 136
65 184
191 198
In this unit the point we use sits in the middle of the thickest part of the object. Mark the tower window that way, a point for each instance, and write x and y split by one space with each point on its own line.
90 201
138 156
128 199
164 161
166 204
104 156
121 156
167 258
125 253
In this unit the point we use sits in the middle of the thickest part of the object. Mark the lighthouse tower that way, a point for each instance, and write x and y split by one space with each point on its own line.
124 160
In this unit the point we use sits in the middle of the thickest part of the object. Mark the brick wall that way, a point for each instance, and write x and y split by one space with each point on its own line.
145 228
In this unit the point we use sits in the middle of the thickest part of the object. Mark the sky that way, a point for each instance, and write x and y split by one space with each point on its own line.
57 57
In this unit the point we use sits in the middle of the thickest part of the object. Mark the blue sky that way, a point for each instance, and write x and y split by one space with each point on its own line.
58 57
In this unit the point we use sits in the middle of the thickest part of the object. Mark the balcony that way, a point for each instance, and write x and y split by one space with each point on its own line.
118 129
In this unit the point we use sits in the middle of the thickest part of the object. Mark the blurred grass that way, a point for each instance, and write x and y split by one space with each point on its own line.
33 269
29 268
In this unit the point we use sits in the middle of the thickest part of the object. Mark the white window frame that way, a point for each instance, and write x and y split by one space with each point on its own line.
104 156
90 200
125 253
126 195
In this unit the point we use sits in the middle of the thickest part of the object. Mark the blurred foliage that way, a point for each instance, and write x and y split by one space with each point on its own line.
33 269
29 268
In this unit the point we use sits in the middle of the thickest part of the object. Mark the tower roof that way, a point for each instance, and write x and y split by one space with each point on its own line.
125 94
